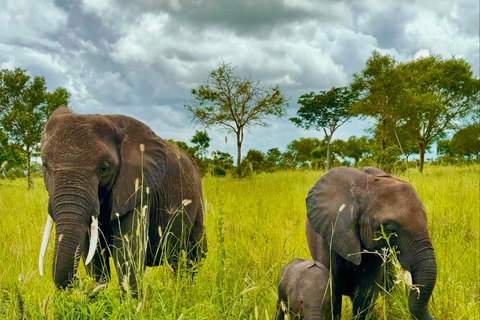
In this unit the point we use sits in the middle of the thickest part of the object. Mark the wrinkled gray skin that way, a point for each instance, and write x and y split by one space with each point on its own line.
304 290
90 164
369 197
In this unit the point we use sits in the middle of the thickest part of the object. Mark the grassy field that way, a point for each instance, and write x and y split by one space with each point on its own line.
254 227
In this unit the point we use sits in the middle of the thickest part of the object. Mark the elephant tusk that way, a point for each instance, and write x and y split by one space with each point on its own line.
93 240
43 247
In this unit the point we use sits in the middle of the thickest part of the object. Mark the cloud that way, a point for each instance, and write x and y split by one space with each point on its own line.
142 58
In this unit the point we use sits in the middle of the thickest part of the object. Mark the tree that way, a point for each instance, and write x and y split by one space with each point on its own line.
25 105
439 93
466 142
288 161
377 88
443 148
354 147
273 158
222 161
256 158
234 103
202 141
10 154
302 149
414 103
326 111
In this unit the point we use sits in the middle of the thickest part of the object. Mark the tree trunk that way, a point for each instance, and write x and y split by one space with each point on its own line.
384 133
328 153
29 171
239 151
421 153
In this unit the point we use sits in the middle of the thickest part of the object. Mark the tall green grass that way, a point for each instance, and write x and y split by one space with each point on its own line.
254 227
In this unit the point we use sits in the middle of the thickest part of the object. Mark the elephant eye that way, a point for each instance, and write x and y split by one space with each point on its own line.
390 228
103 169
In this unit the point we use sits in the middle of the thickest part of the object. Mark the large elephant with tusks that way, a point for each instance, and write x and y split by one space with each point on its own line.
108 178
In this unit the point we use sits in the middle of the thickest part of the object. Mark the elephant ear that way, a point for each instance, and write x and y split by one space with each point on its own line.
142 154
375 172
332 205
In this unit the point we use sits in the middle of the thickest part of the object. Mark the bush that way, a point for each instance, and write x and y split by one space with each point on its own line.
388 160
14 173
218 172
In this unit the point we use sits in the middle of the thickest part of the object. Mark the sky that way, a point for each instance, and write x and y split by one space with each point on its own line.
142 58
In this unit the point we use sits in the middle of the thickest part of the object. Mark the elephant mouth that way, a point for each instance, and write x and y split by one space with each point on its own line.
46 236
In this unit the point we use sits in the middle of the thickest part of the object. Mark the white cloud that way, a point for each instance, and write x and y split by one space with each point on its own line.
30 22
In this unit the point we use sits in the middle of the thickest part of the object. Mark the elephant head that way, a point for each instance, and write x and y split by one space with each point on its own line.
304 283
90 167
347 208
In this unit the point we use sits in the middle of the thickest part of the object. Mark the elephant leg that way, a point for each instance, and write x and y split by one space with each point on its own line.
362 302
336 303
128 257
366 290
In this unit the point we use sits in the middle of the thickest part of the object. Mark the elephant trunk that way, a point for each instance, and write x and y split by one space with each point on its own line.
73 207
422 265
313 315
70 232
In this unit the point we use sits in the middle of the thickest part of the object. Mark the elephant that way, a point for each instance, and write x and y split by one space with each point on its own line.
346 211
304 290
142 194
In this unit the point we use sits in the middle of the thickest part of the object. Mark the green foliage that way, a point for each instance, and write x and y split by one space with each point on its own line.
288 161
388 160
256 158
326 111
254 227
202 142
273 157
302 149
354 148
466 142
25 105
443 147
223 159
377 88
233 103
414 103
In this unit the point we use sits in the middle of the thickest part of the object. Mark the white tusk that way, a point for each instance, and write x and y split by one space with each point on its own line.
93 240
43 247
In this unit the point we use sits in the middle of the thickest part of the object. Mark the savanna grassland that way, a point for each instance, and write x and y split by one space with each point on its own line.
254 227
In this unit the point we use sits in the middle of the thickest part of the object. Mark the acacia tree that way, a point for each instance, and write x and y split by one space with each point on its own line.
25 105
326 111
234 103
438 92
377 87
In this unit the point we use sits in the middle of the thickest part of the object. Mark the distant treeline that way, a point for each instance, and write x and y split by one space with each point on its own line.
310 153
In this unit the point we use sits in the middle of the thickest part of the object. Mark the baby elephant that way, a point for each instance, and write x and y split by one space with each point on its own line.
304 291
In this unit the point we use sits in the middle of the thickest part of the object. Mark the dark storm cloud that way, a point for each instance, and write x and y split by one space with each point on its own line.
249 17
141 58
